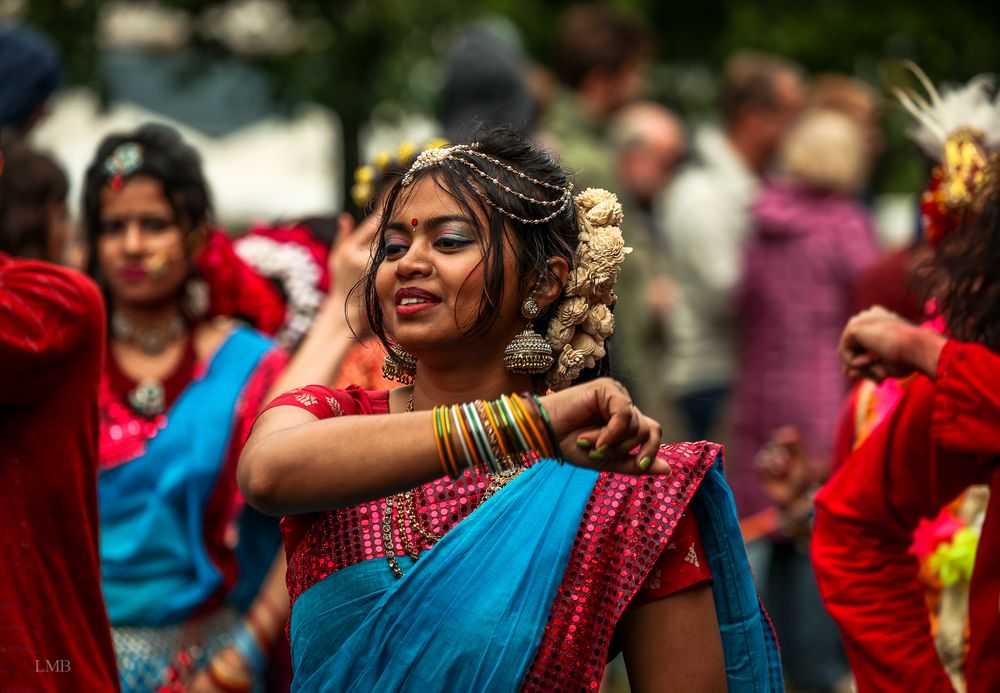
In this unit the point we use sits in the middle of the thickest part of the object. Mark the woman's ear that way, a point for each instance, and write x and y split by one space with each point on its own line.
550 286
196 241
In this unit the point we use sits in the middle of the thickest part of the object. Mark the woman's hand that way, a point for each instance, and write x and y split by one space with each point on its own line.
230 665
349 258
878 344
599 427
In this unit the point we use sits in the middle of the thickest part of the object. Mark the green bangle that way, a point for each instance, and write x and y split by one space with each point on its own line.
548 425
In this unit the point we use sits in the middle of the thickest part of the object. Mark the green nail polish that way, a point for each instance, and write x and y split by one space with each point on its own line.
603 449
645 462
596 455
583 443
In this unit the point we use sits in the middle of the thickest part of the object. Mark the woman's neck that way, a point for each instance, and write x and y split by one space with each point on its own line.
148 317
464 383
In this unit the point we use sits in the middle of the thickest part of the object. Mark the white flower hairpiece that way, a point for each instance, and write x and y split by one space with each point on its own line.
583 319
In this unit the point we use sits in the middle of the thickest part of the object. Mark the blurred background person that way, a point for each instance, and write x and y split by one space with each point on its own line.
649 143
33 211
601 58
30 72
809 241
193 578
55 634
486 82
706 218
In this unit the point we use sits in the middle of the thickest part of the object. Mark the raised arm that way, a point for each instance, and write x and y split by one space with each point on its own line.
294 462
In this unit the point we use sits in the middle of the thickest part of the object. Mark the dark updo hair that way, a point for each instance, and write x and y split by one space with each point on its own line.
166 158
32 183
535 243
966 278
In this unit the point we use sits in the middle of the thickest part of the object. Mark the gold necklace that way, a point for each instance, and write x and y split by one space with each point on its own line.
403 505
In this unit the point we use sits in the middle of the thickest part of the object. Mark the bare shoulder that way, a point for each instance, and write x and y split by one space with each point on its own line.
210 335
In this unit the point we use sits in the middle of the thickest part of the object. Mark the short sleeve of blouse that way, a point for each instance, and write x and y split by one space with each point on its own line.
325 403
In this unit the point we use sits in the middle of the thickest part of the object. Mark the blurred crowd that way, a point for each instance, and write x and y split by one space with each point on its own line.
753 241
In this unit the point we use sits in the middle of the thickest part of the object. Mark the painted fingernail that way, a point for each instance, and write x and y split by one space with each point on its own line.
645 462
603 449
583 443
596 455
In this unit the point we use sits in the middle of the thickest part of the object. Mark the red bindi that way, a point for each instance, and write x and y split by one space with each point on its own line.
413 221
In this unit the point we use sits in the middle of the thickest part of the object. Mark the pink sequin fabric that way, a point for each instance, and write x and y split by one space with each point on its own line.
626 525
340 538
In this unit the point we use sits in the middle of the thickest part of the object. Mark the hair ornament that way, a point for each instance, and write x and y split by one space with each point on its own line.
959 129
583 320
366 177
125 160
461 153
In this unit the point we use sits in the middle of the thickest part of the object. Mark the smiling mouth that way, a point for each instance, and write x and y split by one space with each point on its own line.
412 301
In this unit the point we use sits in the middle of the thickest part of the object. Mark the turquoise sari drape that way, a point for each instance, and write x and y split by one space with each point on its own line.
469 615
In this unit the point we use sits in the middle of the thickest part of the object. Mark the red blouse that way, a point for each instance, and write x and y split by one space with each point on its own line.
54 632
942 436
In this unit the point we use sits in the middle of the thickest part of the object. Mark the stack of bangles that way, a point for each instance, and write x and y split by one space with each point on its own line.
495 436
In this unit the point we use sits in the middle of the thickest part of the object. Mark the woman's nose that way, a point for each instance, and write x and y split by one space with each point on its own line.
416 260
132 239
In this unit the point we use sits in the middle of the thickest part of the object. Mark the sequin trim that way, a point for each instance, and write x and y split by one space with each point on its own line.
627 523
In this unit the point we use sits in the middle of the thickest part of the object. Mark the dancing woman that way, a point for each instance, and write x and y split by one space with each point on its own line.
930 436
193 578
434 541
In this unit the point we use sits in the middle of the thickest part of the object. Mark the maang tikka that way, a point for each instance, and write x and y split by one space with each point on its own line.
528 353
399 365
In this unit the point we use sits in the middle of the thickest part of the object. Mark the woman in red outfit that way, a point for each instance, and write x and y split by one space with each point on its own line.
431 544
940 437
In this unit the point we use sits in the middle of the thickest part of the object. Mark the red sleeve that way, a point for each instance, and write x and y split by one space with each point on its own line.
865 516
324 402
46 313
681 564
967 403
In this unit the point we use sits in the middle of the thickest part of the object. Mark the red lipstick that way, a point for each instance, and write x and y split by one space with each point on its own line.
411 300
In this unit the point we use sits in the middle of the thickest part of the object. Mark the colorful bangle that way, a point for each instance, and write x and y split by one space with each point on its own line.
536 435
498 424
460 429
553 438
479 436
452 458
512 422
439 441
250 650
491 430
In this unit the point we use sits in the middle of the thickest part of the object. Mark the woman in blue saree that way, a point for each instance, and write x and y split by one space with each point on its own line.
434 541
192 576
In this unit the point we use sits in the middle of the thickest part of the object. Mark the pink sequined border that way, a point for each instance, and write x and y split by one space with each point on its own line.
626 525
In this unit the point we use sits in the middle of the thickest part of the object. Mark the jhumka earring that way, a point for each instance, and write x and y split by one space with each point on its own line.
399 365
528 353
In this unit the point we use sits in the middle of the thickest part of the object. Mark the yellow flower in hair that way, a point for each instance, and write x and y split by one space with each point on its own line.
406 152
437 143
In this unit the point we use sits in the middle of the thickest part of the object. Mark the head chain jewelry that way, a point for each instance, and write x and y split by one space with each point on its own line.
435 157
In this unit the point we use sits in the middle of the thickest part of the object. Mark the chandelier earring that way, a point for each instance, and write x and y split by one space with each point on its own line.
528 353
399 365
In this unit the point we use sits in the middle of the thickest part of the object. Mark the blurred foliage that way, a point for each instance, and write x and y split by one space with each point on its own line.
383 56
